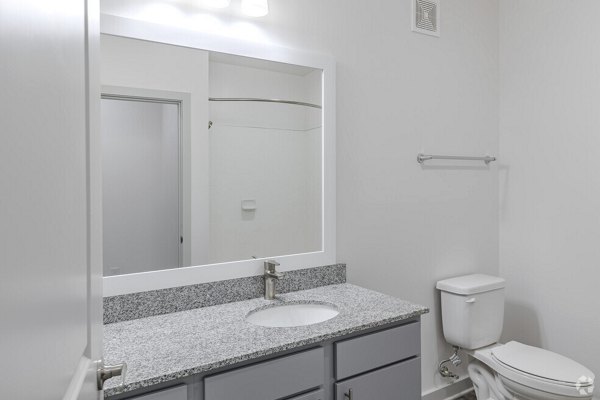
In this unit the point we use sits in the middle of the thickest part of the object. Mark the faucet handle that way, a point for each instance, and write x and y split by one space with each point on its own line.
270 265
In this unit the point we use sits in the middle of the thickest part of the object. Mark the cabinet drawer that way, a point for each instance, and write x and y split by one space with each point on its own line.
269 380
174 393
318 395
400 381
354 356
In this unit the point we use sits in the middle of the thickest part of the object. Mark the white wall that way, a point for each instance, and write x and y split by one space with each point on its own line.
550 174
400 227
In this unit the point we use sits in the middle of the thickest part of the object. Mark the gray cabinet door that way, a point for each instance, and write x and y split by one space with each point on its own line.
400 381
269 380
318 395
174 393
366 353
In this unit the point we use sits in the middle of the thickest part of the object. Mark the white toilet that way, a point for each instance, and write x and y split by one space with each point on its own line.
473 316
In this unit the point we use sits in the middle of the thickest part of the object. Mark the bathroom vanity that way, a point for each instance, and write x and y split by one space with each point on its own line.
248 131
370 350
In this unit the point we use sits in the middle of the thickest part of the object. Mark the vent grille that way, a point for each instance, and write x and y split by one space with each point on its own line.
426 17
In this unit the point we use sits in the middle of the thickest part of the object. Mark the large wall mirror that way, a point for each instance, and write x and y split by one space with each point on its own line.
214 158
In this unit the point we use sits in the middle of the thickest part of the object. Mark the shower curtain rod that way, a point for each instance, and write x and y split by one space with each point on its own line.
297 103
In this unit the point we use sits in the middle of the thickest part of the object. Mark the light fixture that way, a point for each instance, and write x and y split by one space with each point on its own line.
216 3
255 8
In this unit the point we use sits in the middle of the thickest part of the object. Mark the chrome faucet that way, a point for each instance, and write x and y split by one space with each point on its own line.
270 277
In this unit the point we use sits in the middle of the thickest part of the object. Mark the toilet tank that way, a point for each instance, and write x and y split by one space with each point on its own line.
472 310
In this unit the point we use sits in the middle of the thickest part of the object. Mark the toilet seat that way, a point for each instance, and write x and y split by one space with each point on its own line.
538 369
543 364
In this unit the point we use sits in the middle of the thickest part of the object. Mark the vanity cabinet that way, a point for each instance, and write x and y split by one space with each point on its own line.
269 380
368 352
401 381
318 395
384 365
380 364
179 392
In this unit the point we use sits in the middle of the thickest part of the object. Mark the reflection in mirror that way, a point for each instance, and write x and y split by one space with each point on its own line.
207 157
140 193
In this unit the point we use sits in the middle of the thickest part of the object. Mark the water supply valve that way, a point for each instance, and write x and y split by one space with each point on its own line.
455 360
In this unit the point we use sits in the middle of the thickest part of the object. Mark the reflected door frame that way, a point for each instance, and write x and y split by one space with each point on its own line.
182 100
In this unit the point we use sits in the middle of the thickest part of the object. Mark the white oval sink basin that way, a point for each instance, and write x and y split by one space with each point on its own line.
289 315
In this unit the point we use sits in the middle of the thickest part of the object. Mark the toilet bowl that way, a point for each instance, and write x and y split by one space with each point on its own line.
472 318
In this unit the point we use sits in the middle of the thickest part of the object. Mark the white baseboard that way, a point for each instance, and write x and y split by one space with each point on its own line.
450 392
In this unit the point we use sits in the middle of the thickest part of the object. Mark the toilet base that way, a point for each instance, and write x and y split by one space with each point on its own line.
487 384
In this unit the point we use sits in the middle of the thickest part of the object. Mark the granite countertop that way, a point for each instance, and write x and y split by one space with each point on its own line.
172 346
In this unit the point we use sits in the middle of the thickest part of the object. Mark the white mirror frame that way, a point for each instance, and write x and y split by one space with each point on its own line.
154 280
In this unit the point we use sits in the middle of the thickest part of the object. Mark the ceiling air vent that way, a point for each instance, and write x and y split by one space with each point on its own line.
426 17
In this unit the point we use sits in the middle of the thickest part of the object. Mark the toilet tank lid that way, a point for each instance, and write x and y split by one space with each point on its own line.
471 284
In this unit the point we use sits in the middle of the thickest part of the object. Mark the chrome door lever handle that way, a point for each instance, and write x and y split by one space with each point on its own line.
106 372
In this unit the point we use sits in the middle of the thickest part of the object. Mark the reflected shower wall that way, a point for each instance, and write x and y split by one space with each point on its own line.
267 155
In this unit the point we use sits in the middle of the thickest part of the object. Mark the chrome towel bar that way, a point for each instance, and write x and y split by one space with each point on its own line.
421 158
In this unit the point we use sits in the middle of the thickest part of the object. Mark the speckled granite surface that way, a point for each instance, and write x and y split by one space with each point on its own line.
158 302
166 347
